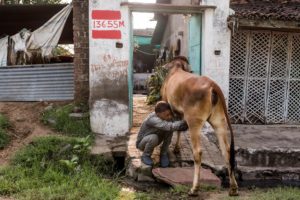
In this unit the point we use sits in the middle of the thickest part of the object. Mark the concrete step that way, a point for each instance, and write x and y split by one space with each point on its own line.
268 176
109 147
264 146
101 146
268 157
185 175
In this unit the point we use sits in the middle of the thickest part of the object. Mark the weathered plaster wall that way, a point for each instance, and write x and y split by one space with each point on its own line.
109 111
216 36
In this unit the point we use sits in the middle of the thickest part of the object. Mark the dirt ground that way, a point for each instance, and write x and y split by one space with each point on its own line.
24 118
25 124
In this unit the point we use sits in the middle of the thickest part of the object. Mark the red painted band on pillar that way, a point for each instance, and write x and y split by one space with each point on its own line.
109 34
106 14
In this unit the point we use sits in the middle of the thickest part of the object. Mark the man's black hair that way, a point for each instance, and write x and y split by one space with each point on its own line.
162 106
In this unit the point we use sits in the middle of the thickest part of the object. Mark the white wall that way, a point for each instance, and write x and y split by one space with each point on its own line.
216 36
109 105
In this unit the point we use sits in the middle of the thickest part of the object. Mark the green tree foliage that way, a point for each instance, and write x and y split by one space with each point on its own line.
59 119
155 83
62 50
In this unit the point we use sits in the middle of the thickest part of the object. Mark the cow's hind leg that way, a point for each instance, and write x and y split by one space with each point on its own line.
218 122
194 129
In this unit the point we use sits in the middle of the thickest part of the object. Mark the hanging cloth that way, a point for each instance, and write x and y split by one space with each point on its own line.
47 36
3 51
20 40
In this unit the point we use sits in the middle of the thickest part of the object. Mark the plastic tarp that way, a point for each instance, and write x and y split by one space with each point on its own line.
47 36
3 51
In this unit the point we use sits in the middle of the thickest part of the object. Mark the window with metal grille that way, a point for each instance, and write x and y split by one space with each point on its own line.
265 77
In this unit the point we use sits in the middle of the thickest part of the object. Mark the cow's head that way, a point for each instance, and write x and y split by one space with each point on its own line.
178 62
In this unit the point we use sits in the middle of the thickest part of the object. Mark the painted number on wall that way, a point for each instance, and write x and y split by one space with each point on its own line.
106 24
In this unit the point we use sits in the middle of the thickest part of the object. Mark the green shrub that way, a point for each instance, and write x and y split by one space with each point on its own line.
155 82
279 193
47 151
4 123
35 184
42 170
61 152
282 193
4 137
63 123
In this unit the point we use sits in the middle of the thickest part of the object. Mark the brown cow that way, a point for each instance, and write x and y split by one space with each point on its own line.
199 99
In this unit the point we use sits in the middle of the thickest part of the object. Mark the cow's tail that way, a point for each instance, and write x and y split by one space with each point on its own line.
232 161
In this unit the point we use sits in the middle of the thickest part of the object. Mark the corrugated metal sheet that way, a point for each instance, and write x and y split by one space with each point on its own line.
37 82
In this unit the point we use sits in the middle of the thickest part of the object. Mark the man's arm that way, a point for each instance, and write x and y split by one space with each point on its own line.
165 125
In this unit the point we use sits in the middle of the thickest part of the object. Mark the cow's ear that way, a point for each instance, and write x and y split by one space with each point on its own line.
185 66
168 66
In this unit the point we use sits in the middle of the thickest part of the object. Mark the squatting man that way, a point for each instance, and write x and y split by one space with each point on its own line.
158 128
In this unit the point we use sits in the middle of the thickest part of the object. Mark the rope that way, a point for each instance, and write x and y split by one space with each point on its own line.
150 54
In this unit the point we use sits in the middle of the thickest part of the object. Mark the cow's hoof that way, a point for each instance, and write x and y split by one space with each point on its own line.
233 192
176 149
193 193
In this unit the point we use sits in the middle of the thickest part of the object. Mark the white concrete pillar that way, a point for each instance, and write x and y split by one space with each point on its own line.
109 52
216 38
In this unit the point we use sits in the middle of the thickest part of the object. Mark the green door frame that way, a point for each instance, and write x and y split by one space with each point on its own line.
195 43
130 72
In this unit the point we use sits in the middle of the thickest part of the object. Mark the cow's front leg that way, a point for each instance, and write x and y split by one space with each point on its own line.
197 152
177 144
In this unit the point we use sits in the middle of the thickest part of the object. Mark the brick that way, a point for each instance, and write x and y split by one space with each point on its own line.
85 58
81 40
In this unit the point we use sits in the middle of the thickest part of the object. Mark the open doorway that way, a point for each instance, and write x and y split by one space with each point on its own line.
144 52
156 39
